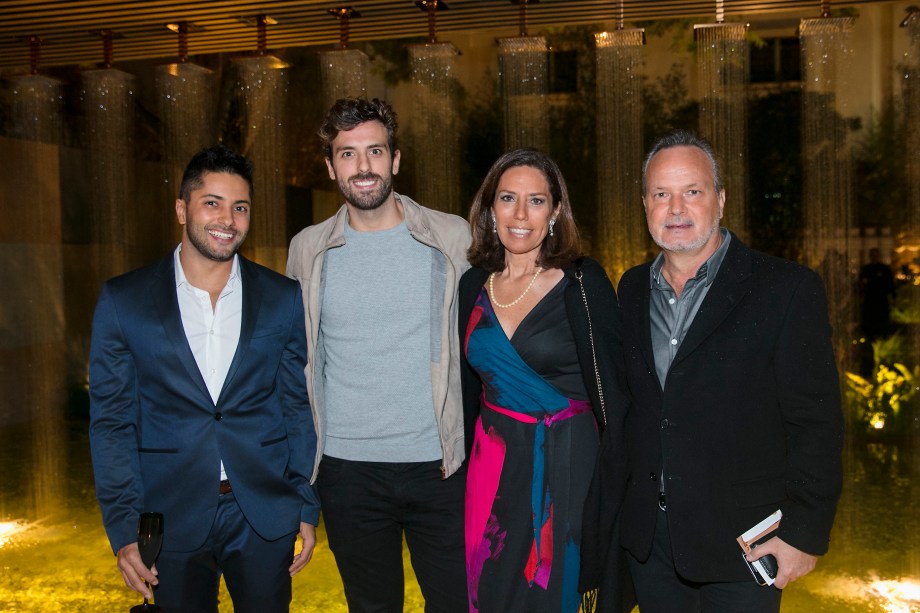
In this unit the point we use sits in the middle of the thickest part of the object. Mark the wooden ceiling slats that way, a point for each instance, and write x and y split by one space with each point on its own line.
65 26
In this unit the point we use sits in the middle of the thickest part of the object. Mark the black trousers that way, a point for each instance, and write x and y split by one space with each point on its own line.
660 589
255 570
369 506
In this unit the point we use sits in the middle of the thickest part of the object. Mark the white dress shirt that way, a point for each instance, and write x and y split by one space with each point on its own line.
212 333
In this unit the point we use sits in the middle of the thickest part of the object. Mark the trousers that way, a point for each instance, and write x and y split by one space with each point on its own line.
367 509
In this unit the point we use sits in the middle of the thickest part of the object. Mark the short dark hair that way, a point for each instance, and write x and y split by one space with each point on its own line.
684 138
348 113
217 158
558 250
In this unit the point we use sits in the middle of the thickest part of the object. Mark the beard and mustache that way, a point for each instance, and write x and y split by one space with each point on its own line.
363 199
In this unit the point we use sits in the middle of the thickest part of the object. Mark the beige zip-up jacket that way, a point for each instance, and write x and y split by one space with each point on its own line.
449 237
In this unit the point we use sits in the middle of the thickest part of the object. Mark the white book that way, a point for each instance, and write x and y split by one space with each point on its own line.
751 538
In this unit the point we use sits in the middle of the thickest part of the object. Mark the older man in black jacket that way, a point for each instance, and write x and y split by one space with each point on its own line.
736 400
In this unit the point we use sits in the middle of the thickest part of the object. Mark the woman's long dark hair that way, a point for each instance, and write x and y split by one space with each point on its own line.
558 250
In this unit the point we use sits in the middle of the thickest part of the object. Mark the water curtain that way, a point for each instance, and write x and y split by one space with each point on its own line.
621 240
522 63
435 150
911 92
186 99
108 104
826 195
722 59
34 345
343 70
263 88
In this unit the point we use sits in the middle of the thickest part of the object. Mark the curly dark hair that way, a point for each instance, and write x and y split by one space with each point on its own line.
218 158
348 113
558 250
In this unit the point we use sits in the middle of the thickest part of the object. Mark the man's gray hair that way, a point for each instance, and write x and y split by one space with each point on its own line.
684 138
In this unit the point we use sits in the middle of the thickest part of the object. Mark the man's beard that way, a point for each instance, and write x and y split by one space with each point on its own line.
697 243
198 237
367 200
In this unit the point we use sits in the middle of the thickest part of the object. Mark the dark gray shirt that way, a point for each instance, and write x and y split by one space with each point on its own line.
671 316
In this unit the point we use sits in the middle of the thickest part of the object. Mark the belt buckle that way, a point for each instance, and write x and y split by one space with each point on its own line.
662 502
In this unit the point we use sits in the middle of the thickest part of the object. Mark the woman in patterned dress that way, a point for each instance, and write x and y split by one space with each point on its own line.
542 372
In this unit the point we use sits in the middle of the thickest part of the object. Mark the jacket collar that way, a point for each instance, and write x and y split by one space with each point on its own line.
728 290
416 222
167 305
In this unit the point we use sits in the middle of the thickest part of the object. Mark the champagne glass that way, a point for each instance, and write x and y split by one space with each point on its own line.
149 541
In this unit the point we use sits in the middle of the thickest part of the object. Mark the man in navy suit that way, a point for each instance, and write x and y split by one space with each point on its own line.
736 401
199 408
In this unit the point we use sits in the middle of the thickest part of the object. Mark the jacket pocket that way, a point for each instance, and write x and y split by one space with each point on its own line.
156 450
759 491
274 441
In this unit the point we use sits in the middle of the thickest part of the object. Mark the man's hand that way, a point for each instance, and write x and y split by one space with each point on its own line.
308 534
791 563
134 572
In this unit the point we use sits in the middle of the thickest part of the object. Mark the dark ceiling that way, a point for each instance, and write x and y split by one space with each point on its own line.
69 29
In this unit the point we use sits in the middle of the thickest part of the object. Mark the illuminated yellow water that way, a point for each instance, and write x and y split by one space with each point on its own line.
56 566
62 562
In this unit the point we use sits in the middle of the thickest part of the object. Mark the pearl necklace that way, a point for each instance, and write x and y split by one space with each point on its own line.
516 300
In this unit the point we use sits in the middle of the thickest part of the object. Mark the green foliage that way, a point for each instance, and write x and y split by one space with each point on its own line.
666 105
880 180
481 135
572 123
881 399
680 31
391 58
775 172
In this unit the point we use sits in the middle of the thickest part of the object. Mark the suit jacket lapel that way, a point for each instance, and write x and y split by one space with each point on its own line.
167 306
727 291
640 305
251 303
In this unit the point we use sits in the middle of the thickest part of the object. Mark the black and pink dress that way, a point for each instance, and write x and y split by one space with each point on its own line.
533 454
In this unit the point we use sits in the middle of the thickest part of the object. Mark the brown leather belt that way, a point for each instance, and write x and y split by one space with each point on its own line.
225 487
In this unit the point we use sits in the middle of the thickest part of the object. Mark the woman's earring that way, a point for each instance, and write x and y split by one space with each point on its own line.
494 224
552 222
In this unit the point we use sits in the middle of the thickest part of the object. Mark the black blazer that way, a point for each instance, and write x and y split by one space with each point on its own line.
749 420
607 329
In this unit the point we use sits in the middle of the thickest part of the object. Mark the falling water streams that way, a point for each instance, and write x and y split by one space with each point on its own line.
435 134
911 92
722 58
827 195
53 553
621 237
522 62
344 74
108 102
31 249
186 96
263 88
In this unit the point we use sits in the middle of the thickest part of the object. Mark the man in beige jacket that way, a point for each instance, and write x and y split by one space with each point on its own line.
379 282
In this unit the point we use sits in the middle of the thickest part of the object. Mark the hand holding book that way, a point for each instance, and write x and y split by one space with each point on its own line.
779 563
764 568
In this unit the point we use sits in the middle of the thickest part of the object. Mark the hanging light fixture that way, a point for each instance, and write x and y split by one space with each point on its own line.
431 7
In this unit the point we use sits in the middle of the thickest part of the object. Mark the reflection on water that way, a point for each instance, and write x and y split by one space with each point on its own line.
61 560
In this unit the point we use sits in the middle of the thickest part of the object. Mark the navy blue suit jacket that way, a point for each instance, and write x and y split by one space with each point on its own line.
157 437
